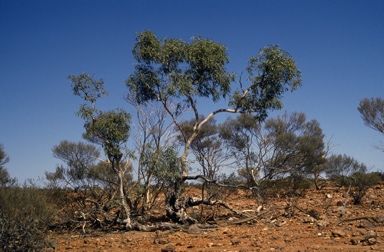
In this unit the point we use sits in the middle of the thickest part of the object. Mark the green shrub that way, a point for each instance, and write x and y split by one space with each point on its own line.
360 183
24 218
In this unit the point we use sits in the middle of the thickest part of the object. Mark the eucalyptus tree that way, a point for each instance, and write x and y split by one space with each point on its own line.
287 146
154 140
340 167
172 71
346 171
372 113
208 150
300 147
79 159
109 129
244 137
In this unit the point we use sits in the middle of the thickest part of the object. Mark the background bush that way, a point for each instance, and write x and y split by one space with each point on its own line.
24 218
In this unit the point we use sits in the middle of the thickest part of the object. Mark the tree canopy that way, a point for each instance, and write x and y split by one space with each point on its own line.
172 68
372 113
173 71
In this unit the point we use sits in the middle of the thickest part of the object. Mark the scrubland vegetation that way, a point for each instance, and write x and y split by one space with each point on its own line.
148 160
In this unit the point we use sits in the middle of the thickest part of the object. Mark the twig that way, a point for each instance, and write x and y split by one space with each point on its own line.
252 217
371 219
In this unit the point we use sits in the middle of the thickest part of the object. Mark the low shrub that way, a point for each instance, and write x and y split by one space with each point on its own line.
24 218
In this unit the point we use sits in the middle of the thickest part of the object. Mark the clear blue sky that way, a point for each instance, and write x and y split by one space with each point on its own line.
338 46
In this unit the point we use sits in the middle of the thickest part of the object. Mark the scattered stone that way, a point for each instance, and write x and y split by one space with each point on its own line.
371 241
370 238
322 217
355 241
322 223
366 224
281 223
308 220
170 247
370 234
194 229
235 241
314 213
338 233
161 241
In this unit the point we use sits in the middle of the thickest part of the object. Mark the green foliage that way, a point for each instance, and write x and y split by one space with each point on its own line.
380 175
372 113
167 165
3 156
79 158
272 73
110 130
87 88
172 68
348 172
360 183
5 179
340 167
283 187
206 146
286 145
24 217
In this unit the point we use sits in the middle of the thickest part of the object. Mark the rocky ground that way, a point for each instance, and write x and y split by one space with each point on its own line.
309 223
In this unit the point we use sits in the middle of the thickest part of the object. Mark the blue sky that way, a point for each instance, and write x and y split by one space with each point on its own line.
338 46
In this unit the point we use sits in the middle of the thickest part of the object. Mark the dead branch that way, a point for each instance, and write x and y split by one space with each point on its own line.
237 222
374 220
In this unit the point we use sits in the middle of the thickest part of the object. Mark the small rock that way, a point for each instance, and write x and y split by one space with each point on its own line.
371 241
322 223
235 241
338 233
308 220
366 224
170 247
194 229
355 241
225 231
161 241
322 217
281 223
314 213
370 234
